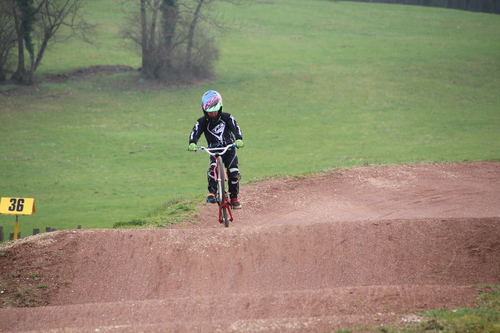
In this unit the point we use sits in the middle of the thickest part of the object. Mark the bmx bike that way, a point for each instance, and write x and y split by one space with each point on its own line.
222 198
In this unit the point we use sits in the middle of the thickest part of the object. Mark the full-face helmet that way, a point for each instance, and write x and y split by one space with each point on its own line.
211 101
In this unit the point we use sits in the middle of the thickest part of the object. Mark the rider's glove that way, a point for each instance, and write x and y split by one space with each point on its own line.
192 146
239 144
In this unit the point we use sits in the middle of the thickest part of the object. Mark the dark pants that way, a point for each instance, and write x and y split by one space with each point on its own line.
233 174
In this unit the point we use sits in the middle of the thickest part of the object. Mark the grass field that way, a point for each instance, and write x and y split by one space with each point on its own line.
314 85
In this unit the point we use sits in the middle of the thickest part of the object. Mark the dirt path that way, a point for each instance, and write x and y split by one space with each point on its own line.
364 246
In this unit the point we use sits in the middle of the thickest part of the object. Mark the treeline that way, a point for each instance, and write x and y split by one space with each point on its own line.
485 6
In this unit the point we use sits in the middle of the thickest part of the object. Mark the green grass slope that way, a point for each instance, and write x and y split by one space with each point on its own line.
313 84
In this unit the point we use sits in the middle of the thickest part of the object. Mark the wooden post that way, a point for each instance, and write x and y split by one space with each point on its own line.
12 236
16 228
48 229
1 234
36 232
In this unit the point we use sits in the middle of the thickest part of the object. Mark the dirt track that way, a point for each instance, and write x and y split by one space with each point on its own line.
364 246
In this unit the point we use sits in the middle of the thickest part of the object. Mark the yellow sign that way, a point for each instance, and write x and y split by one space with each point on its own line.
17 206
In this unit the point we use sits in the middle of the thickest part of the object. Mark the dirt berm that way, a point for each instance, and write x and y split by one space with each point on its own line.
342 249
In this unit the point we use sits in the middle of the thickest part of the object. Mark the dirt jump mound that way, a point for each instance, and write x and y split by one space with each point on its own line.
344 249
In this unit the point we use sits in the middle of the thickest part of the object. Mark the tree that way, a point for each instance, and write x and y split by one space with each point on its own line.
22 11
176 38
54 14
35 24
7 37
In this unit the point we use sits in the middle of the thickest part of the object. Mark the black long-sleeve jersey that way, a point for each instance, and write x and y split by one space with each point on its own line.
218 134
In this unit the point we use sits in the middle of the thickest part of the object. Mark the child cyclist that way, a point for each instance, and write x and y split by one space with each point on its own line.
220 129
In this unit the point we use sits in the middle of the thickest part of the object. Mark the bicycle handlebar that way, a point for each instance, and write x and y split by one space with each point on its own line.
216 150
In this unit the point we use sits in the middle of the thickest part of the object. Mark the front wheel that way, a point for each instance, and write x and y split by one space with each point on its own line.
221 191
221 195
225 217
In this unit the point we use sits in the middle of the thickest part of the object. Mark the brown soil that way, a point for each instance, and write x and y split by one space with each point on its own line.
343 249
84 73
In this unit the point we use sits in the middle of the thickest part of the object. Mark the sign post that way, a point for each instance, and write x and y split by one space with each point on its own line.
17 206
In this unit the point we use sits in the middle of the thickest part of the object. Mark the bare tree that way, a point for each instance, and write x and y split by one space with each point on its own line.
7 37
54 14
142 31
176 38
23 12
36 23
190 36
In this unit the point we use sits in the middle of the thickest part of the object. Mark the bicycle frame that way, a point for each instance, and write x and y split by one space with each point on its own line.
225 213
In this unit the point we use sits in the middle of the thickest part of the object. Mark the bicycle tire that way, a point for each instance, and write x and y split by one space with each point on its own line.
225 218
220 180
222 190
